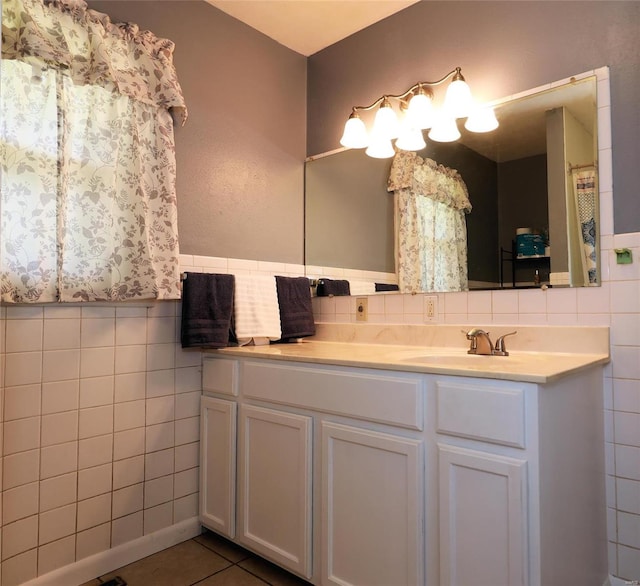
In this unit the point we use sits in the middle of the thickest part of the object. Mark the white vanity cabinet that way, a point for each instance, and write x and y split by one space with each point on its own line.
521 481
330 468
358 476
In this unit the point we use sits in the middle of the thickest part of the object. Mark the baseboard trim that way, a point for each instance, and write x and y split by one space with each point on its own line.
106 561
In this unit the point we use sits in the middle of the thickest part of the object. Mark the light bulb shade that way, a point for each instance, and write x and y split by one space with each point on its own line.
458 100
385 124
411 139
380 148
355 133
421 111
444 129
482 120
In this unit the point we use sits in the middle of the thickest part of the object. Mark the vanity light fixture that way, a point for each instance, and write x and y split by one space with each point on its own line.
417 114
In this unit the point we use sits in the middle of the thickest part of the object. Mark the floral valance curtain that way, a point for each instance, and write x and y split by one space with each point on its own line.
92 50
431 233
88 203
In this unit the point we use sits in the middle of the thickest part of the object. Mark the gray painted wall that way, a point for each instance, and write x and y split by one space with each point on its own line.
349 213
240 156
503 48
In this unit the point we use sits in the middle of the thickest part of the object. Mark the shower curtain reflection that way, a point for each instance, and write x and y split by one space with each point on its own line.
586 201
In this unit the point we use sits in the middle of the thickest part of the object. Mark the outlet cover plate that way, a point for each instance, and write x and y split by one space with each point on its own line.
362 309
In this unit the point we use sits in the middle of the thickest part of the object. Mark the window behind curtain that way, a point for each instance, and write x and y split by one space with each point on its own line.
88 205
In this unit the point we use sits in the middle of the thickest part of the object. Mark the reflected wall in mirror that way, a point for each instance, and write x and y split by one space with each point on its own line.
518 176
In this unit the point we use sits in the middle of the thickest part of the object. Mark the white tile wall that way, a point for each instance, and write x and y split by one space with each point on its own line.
94 401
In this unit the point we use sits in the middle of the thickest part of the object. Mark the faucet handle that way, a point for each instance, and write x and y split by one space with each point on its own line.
501 349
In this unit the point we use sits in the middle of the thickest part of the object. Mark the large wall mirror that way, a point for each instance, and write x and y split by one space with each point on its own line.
521 175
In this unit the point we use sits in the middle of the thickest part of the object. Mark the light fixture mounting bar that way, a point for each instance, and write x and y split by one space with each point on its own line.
456 73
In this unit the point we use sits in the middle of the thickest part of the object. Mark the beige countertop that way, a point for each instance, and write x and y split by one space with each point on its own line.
525 366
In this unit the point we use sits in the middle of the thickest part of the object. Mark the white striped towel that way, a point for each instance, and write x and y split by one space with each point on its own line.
362 287
256 309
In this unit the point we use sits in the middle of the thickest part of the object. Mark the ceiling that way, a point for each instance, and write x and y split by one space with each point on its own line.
522 131
307 26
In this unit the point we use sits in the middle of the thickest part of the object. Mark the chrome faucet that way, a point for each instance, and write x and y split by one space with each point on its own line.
481 343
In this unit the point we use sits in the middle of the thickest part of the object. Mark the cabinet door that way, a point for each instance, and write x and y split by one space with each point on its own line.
372 519
275 486
482 509
218 465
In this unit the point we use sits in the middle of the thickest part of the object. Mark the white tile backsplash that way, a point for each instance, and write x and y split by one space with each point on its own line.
160 410
128 472
59 428
22 368
158 518
58 459
95 481
129 415
60 365
129 443
158 490
95 421
127 501
60 396
20 502
57 523
19 536
130 387
96 391
130 359
24 335
92 541
126 529
19 469
58 491
20 402
131 331
95 451
97 332
97 361
157 464
56 554
160 437
94 511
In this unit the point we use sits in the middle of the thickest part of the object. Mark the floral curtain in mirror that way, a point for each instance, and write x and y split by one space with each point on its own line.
88 200
431 232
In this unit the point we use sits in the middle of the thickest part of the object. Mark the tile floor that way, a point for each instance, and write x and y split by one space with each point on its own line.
206 560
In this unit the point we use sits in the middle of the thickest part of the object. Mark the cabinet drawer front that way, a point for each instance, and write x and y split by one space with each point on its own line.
392 399
220 375
483 412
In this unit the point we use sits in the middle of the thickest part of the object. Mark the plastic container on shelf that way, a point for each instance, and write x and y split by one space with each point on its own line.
528 243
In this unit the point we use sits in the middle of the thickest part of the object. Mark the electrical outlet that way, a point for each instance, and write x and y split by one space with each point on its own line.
362 311
430 308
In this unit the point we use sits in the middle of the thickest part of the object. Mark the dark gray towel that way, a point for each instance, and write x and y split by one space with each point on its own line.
386 287
207 307
329 287
296 312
